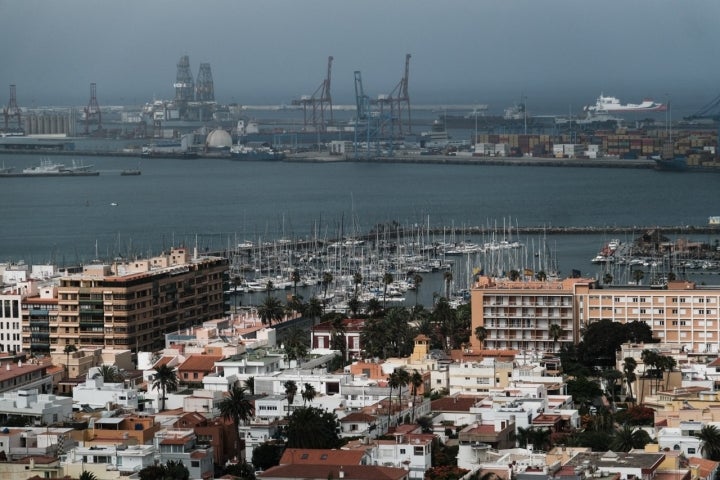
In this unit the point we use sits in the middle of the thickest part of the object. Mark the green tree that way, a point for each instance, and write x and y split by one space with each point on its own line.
295 278
110 374
271 310
314 309
244 471
165 380
310 427
171 470
308 393
250 385
374 308
447 279
267 455
582 390
327 279
626 438
555 331
296 344
388 336
608 279
481 334
638 275
237 408
709 436
291 389
416 380
357 281
417 281
387 279
85 475
629 366
403 379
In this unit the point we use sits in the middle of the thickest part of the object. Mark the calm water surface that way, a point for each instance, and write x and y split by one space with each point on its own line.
220 202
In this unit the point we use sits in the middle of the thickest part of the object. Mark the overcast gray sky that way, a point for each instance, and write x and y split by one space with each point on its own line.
557 52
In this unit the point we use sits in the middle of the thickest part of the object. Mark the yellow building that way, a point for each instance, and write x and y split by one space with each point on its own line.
128 305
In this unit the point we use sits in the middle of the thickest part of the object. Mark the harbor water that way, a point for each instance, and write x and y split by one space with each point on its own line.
216 204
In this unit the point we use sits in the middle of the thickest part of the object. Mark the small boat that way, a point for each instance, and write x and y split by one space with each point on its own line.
127 173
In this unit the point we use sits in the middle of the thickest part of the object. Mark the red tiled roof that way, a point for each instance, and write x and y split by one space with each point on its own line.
358 417
163 361
349 472
200 363
705 466
305 456
453 404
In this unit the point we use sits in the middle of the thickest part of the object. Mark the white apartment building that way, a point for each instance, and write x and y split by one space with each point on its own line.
10 323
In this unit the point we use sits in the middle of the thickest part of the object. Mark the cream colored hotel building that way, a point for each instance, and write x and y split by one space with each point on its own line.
517 315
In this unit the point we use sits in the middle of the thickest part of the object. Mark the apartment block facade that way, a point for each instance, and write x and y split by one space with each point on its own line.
518 315
127 305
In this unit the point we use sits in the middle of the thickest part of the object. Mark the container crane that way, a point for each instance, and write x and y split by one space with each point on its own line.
12 110
319 103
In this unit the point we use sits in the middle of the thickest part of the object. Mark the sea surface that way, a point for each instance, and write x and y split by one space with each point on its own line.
215 204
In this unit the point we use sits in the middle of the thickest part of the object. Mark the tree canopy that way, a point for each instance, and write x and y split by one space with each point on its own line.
602 340
311 427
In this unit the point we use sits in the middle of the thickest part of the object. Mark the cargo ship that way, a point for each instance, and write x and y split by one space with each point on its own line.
612 104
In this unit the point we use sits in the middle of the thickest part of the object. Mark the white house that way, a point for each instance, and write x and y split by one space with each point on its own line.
98 394
44 409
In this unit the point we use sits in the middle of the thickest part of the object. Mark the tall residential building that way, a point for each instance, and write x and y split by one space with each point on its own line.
128 305
519 314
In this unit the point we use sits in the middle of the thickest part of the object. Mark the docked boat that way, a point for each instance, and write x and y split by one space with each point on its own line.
613 105
47 168
243 152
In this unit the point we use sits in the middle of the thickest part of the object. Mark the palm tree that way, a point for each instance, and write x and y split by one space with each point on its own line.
295 277
374 308
541 276
314 309
447 278
327 279
481 334
69 348
626 438
387 280
638 275
250 385
166 381
237 281
555 331
236 407
357 281
403 379
417 281
296 344
110 374
268 288
416 380
85 475
290 391
709 436
392 384
607 279
308 393
629 366
670 364
271 310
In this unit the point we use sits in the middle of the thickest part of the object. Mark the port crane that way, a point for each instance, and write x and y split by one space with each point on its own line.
319 103
368 123
397 101
710 110
12 110
92 112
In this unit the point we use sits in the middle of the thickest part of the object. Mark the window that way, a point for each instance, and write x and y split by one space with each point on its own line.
418 450
691 451
195 464
402 451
